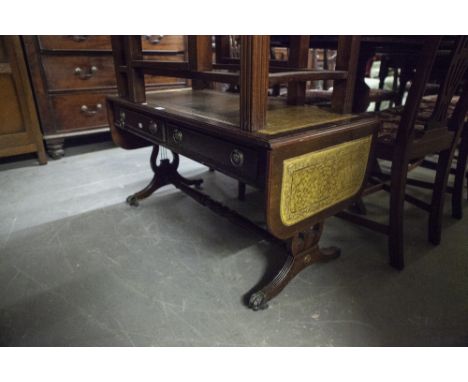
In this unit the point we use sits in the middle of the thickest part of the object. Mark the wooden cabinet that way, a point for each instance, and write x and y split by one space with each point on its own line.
72 75
19 125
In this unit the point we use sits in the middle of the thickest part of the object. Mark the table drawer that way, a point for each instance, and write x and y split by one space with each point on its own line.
79 111
75 42
146 125
79 72
228 157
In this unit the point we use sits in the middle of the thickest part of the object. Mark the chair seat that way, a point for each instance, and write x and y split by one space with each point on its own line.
391 118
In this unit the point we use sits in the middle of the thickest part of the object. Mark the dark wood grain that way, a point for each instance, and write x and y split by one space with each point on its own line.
346 60
19 125
439 137
232 134
254 81
298 58
200 57
52 61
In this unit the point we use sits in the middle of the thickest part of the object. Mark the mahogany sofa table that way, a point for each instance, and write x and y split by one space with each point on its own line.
310 162
322 173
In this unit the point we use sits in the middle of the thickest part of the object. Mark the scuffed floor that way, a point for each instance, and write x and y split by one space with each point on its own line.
79 267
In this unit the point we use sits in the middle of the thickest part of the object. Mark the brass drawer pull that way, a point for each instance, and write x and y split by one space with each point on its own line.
154 40
85 110
177 136
153 127
85 74
79 38
237 158
122 119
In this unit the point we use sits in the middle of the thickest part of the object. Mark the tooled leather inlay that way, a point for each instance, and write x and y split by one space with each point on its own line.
315 181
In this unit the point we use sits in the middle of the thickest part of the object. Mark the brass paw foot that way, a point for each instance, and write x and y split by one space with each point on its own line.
258 301
132 200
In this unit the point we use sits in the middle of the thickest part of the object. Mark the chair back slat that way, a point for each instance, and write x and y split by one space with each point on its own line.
416 92
454 74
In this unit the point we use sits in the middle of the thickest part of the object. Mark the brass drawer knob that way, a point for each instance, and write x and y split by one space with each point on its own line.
153 127
177 136
84 74
90 112
237 158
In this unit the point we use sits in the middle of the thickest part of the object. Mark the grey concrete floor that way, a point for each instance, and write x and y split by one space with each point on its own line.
79 267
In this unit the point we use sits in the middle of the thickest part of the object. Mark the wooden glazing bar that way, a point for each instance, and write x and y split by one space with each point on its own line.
273 67
255 53
119 62
182 70
346 60
222 50
200 56
236 61
135 76
155 65
307 75
298 57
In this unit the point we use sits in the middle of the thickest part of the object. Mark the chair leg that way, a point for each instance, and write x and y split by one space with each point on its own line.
460 174
397 201
438 196
467 185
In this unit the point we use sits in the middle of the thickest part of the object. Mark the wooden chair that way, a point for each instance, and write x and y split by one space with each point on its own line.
460 174
402 75
457 169
405 140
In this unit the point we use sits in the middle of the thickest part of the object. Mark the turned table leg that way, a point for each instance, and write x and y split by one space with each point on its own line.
303 250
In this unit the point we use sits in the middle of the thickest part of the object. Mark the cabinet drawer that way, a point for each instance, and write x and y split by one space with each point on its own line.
79 72
226 156
158 42
79 111
75 42
146 125
153 42
91 72
82 42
